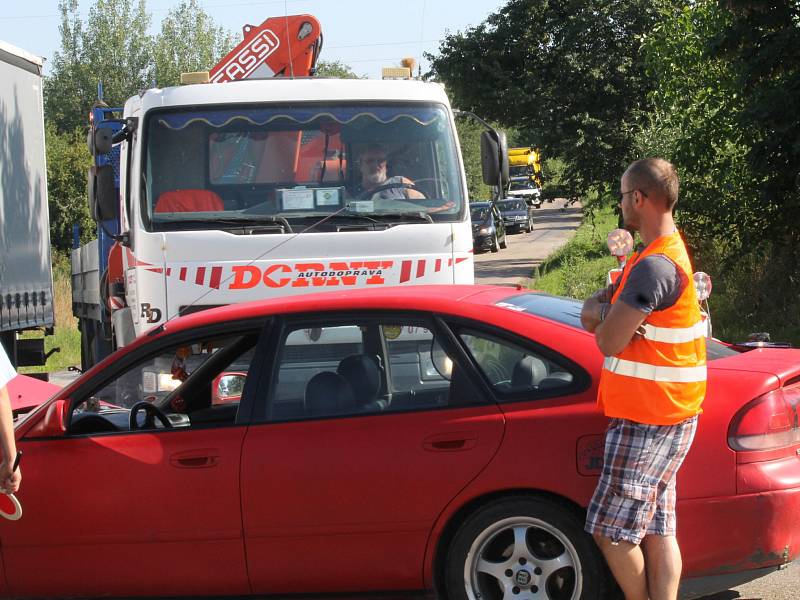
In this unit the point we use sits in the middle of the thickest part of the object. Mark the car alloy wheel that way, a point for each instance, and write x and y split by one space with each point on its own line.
526 548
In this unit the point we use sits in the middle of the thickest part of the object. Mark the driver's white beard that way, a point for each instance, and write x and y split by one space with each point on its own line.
375 179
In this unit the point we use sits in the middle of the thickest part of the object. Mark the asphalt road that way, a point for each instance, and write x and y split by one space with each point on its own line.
515 264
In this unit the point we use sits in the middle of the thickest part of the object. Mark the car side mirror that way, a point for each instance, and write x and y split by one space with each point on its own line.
227 388
53 423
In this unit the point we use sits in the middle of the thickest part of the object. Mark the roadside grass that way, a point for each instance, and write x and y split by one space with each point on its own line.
579 267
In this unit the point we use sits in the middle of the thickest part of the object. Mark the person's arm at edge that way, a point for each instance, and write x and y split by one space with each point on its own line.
9 481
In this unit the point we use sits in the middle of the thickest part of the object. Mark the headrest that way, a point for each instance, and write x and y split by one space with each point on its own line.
528 372
328 394
188 201
362 373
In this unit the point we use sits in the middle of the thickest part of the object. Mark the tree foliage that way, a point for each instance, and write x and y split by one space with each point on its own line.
335 68
112 47
189 40
67 161
569 74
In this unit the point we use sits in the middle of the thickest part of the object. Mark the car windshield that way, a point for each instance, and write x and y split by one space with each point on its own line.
521 184
509 205
479 213
299 163
568 311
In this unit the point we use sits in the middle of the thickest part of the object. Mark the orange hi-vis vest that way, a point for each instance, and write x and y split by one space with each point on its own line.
660 377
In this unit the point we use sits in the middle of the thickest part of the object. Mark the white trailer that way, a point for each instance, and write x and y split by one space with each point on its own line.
26 281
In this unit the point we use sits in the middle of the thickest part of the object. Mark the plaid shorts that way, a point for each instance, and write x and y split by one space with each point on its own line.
636 496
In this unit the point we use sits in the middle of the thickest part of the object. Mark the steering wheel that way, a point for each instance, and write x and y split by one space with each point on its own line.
152 413
366 195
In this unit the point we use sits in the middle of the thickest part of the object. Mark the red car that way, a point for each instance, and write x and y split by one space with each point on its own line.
397 439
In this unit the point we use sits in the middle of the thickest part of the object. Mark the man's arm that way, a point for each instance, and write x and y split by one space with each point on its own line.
616 331
411 193
9 481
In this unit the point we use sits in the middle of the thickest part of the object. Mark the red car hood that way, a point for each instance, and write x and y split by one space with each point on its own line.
27 393
784 363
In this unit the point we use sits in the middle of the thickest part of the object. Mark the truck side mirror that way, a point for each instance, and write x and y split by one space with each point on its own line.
100 140
494 157
103 197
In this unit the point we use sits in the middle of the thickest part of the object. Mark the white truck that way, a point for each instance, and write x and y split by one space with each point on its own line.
26 281
227 192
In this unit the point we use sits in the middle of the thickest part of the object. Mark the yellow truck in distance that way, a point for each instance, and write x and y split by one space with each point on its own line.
525 173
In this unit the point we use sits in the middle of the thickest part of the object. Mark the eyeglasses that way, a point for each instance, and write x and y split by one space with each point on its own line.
621 195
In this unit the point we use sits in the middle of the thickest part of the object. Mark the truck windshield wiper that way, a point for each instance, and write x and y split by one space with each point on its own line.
224 222
379 217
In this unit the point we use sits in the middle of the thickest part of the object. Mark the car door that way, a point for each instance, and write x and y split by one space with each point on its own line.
361 443
151 511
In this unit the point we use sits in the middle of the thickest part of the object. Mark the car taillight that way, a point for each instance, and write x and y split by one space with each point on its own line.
769 422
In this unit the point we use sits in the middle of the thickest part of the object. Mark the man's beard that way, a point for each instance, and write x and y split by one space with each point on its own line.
376 178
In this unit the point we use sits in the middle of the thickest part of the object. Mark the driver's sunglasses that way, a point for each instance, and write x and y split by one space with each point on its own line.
621 195
374 161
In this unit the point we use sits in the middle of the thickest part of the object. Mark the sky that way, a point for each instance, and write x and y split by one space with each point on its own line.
364 34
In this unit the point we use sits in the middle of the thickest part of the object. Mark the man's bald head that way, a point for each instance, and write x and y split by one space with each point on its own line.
656 177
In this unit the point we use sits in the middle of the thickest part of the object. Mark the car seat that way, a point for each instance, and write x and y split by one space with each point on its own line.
361 371
191 200
528 372
328 394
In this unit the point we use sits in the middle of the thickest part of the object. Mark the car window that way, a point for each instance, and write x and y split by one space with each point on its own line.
512 369
363 367
177 386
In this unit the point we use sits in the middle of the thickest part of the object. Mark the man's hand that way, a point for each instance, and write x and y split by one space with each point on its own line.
591 312
9 482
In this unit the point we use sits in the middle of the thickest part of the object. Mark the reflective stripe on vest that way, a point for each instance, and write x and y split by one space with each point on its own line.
654 372
675 335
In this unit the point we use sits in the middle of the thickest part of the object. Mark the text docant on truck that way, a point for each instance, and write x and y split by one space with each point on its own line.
218 193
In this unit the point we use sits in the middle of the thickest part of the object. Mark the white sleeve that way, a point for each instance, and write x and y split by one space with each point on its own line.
7 372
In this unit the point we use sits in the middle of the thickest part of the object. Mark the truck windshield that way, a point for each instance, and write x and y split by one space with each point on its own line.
296 164
522 184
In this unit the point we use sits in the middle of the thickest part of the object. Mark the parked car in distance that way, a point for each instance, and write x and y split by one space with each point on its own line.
399 438
517 214
527 189
488 229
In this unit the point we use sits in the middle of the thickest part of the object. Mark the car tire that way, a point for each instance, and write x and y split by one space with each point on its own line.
495 245
555 560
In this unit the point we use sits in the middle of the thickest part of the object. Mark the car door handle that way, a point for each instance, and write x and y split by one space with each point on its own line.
195 459
451 442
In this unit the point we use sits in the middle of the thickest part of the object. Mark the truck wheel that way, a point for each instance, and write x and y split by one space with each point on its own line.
524 547
495 247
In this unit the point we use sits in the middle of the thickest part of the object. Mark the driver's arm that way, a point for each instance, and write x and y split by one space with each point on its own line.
411 193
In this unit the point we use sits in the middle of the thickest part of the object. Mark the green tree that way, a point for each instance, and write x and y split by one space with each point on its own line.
335 68
568 74
112 47
67 162
189 40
